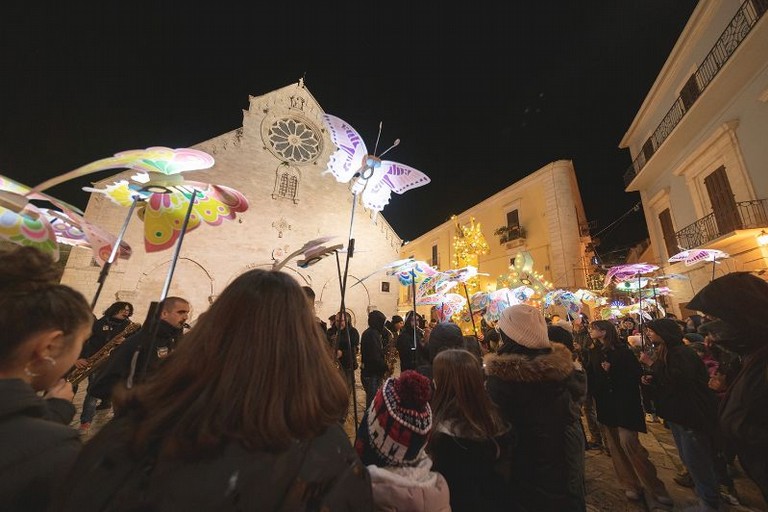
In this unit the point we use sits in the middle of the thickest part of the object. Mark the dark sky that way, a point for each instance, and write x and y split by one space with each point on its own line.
480 95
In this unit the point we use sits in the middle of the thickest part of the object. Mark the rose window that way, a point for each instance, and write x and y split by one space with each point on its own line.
294 141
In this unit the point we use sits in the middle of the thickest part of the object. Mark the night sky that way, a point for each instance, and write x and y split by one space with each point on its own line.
480 95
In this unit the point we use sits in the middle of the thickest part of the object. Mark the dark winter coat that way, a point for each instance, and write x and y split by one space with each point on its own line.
37 447
617 391
408 359
348 345
477 470
103 330
532 393
372 353
681 392
322 474
118 366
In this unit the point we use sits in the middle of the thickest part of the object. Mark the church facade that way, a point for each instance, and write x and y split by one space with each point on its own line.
277 159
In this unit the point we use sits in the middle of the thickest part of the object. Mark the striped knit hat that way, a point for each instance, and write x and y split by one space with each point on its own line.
396 426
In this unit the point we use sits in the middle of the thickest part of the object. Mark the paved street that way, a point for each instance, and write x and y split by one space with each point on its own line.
603 491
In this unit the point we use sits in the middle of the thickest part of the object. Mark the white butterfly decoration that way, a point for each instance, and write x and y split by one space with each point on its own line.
376 178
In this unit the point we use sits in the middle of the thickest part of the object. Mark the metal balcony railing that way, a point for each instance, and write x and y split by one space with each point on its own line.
746 215
740 25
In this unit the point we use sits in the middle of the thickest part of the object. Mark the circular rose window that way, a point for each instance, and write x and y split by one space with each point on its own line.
293 141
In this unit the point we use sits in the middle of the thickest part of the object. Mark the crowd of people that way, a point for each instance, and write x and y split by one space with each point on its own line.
245 411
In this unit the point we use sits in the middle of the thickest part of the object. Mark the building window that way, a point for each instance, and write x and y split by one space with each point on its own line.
286 184
513 219
435 259
668 231
385 286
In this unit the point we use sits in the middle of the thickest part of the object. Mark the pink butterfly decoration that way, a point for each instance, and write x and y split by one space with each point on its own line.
376 178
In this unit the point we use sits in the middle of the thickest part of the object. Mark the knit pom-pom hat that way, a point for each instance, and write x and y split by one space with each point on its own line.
396 426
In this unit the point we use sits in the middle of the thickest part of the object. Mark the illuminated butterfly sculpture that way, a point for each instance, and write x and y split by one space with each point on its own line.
164 194
24 223
376 178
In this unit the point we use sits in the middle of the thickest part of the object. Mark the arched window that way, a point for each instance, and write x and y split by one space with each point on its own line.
286 184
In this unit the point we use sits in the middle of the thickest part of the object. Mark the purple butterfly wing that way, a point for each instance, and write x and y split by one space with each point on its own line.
350 149
401 178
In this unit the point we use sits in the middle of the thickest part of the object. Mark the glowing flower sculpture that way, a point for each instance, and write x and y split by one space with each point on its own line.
165 194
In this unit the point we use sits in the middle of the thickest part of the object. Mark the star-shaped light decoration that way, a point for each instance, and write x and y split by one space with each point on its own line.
165 194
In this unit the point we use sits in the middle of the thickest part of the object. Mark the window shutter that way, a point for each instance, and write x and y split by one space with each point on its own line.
668 230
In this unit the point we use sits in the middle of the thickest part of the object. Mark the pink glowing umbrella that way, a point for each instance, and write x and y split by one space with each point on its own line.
628 271
693 256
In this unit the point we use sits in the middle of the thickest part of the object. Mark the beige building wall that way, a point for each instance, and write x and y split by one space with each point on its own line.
274 226
550 212
707 110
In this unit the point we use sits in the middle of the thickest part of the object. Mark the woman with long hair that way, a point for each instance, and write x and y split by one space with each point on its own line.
243 415
43 325
614 376
470 442
679 381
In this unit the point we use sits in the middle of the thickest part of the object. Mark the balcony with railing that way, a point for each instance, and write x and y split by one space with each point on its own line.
746 215
508 234
737 30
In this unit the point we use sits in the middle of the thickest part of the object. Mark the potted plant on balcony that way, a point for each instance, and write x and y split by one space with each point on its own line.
509 233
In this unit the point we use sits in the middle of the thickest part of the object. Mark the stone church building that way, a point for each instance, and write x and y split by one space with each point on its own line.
276 159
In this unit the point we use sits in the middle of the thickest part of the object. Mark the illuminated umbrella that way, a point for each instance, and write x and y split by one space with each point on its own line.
694 256
24 223
632 286
628 271
565 299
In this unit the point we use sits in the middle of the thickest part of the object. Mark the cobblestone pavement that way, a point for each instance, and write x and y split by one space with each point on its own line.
603 491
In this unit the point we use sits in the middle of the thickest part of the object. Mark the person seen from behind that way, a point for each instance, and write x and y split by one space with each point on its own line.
243 416
471 446
528 379
391 441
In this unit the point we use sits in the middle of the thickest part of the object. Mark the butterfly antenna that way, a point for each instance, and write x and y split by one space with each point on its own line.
394 145
376 146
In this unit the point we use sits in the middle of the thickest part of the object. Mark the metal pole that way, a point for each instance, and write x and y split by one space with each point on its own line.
177 249
156 323
350 355
113 254
471 314
640 310
414 319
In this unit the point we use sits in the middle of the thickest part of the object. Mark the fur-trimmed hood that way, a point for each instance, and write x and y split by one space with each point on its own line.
554 366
